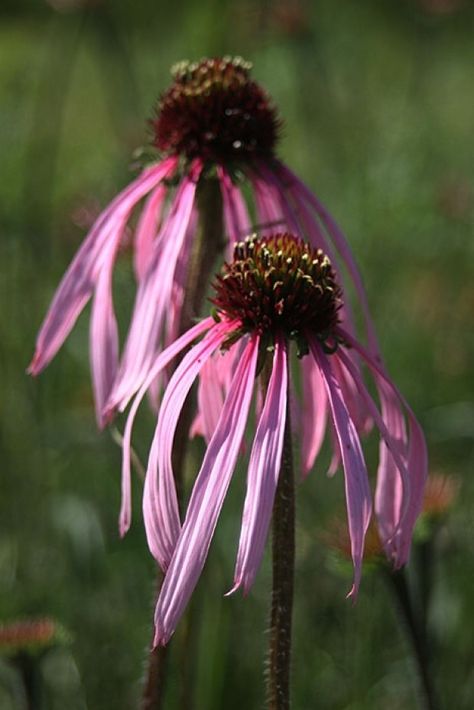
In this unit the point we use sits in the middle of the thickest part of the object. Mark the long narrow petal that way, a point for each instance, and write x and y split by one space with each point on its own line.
78 282
161 362
207 498
415 455
160 503
103 338
341 245
236 217
147 230
391 438
358 497
153 296
263 473
314 414
210 397
355 401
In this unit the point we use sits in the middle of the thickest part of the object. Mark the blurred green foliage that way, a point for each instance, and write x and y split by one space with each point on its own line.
377 102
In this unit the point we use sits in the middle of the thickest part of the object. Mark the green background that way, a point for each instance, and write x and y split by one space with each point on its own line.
377 102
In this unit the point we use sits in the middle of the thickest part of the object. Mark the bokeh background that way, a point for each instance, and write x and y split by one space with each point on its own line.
377 101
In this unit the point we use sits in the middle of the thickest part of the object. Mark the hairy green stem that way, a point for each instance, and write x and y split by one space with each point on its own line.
417 636
283 552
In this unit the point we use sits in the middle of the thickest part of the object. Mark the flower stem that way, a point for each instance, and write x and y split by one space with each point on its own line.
208 244
417 636
283 551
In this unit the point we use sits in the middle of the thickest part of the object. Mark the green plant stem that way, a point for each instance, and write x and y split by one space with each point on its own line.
28 666
209 243
417 636
283 552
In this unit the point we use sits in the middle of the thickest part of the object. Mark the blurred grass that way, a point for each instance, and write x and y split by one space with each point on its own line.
377 101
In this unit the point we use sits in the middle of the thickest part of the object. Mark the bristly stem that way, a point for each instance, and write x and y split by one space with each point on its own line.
283 552
208 244
417 635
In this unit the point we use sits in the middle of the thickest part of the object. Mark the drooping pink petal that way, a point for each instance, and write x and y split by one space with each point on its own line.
163 359
341 245
210 397
414 452
358 496
103 337
336 457
147 230
160 503
355 402
314 414
392 441
263 472
207 498
274 202
154 294
236 217
79 280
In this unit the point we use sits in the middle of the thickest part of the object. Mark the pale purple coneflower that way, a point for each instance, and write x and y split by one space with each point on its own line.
276 290
214 123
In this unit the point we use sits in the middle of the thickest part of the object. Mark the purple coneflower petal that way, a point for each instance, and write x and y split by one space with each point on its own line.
79 280
354 399
236 217
314 414
415 454
341 245
160 504
210 397
147 230
207 498
161 362
358 497
103 338
392 441
153 295
263 472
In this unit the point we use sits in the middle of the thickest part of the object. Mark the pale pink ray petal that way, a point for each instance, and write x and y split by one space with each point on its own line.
147 230
336 457
414 452
160 503
236 218
341 245
275 200
393 443
207 498
174 312
263 472
103 338
358 496
355 402
210 396
161 362
269 214
153 295
314 414
79 280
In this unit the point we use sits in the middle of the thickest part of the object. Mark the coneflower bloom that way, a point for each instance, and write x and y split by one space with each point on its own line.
276 290
213 123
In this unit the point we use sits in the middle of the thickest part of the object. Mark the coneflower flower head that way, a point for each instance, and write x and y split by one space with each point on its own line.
280 285
214 111
276 289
